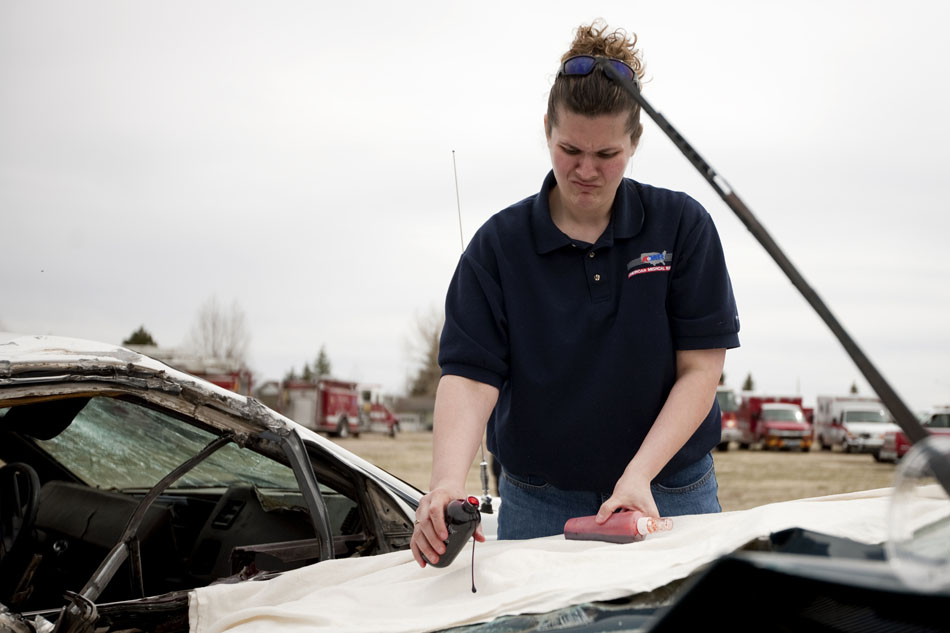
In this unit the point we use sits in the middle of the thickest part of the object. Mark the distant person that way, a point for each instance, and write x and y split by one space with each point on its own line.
587 326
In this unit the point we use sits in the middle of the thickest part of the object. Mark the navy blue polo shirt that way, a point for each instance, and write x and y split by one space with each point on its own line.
580 338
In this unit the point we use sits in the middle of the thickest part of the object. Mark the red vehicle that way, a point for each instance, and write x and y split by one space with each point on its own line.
728 406
326 404
374 415
809 415
896 443
773 422
377 416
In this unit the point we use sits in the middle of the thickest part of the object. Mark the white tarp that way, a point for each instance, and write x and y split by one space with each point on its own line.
390 593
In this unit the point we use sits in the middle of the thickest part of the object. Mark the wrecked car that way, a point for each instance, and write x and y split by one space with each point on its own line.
134 497
122 478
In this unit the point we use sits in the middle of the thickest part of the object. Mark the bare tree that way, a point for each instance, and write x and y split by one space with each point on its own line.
221 334
424 352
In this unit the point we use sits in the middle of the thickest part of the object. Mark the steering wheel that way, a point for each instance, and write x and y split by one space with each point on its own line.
19 501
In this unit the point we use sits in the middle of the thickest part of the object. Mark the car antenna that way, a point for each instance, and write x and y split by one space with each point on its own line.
486 506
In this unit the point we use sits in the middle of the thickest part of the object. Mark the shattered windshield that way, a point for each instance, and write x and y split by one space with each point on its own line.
114 444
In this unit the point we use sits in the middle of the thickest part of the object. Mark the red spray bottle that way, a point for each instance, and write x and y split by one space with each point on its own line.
621 527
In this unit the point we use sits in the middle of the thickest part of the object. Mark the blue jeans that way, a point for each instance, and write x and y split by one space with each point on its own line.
531 507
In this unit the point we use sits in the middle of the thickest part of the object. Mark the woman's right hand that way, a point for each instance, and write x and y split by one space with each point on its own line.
462 408
430 533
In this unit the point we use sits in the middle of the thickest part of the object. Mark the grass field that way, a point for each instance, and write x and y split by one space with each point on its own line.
746 478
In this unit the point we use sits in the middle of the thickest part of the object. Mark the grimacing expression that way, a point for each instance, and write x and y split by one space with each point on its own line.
589 156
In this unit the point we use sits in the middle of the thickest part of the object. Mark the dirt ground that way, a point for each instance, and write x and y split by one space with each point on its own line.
746 478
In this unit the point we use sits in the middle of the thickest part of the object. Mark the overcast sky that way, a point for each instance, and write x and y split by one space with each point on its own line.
296 157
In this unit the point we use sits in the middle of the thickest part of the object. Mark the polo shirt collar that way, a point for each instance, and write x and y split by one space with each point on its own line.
626 217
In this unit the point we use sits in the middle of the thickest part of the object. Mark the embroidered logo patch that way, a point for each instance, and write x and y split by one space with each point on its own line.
649 263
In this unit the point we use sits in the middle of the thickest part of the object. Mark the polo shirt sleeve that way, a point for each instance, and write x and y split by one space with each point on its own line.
702 307
474 341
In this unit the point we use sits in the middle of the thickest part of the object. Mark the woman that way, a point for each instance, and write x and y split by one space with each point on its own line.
587 326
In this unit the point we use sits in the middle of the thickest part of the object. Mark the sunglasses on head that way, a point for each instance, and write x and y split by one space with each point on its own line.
585 64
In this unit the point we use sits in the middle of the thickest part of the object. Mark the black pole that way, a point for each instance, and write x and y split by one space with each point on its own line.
901 413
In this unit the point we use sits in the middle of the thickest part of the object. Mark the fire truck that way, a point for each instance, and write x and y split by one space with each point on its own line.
325 404
773 422
728 406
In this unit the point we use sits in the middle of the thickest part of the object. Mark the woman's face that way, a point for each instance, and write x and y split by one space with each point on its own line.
589 156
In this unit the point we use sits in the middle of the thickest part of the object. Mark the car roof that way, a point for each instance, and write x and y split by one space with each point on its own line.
21 352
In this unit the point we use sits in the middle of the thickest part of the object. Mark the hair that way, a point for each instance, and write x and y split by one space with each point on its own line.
596 94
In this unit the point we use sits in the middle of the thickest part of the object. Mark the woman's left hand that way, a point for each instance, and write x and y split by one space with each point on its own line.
697 374
630 493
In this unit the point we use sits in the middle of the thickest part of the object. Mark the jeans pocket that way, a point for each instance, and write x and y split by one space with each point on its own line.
525 482
689 479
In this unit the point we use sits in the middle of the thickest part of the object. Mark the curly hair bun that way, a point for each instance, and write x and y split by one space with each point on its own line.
595 94
594 39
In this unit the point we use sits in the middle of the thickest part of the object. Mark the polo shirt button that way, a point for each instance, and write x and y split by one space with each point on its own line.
596 277
591 254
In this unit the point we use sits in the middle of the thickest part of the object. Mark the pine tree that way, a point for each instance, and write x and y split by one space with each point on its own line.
749 384
322 367
140 336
